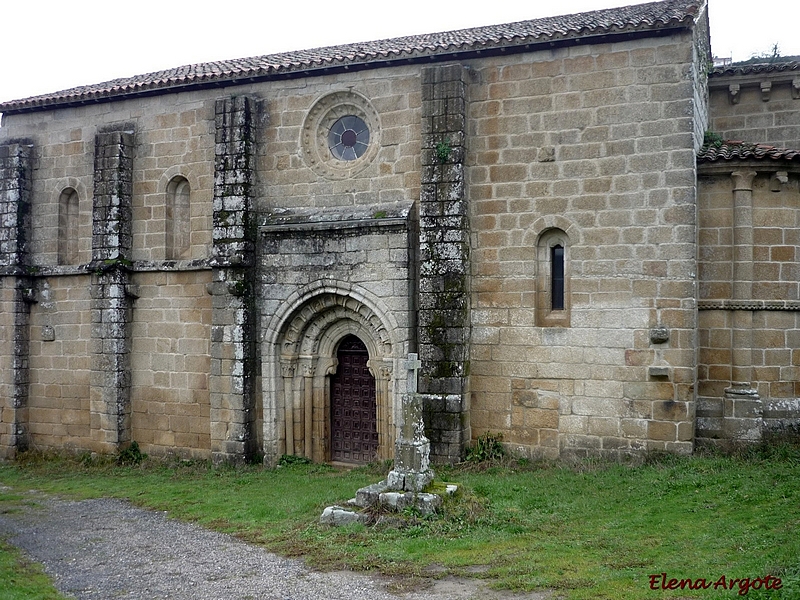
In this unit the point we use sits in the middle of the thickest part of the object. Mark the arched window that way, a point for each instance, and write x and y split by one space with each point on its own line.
557 277
178 216
68 227
552 275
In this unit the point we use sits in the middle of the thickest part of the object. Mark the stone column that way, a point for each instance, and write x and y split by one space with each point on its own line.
233 317
444 326
287 372
17 293
308 410
383 399
742 409
109 396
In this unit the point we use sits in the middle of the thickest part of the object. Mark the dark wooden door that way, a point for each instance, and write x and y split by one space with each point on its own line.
354 431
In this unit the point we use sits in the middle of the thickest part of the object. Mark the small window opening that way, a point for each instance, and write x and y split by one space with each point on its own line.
553 303
557 277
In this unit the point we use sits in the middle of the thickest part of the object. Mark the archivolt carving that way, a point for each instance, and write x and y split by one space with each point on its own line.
306 329
304 344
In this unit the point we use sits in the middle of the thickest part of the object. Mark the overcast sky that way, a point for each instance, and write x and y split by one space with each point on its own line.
51 45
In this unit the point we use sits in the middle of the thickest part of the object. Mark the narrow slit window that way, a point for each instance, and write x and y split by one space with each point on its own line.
557 277
553 303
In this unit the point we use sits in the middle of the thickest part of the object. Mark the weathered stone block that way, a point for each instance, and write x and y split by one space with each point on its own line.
659 430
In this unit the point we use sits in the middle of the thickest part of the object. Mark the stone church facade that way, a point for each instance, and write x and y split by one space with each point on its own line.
235 259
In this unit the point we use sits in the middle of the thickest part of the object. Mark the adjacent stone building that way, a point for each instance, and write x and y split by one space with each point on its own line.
234 259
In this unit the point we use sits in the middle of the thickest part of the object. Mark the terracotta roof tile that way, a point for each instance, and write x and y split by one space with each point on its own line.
756 68
736 150
653 16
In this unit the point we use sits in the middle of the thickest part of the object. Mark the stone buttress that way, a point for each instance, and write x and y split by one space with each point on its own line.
16 294
109 399
233 312
444 330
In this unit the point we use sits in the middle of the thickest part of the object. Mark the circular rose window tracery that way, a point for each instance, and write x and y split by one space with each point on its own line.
348 139
340 135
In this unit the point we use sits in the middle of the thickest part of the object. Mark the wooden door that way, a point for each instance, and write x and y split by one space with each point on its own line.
354 431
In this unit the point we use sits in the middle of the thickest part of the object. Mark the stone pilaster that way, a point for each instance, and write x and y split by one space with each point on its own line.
742 406
17 292
444 330
233 313
15 204
111 305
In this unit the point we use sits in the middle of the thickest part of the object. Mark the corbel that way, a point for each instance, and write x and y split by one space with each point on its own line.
778 179
796 88
733 93
766 90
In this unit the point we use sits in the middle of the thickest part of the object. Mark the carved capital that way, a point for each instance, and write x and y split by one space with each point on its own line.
287 370
331 370
743 180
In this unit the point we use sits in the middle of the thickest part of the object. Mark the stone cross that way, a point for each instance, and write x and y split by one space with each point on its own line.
413 365
412 470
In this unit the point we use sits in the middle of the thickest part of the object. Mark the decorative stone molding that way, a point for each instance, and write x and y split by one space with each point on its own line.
323 114
732 305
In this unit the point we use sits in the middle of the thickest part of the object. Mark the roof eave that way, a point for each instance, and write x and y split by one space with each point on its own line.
518 47
724 166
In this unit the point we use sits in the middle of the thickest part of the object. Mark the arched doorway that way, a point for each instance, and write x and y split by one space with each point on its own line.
354 426
302 357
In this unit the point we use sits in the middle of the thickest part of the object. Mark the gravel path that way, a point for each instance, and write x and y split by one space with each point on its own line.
108 549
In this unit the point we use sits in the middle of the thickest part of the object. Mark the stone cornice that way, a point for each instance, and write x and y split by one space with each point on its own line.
785 305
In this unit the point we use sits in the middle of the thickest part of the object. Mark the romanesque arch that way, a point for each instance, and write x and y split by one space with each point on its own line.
300 350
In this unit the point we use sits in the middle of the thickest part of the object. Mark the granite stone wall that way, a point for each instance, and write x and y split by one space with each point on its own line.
759 106
61 364
207 325
749 300
595 145
171 363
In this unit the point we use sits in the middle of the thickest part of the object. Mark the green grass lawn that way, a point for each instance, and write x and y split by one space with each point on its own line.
22 580
595 530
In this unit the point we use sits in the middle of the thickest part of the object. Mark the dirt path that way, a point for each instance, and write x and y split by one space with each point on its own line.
108 549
